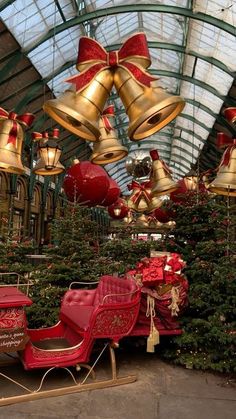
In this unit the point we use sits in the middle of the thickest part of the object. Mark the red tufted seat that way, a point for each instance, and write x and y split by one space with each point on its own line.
78 306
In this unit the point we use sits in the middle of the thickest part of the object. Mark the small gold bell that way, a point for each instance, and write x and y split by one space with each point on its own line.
107 148
11 146
162 181
225 181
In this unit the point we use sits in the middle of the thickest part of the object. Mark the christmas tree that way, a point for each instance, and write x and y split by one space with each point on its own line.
205 236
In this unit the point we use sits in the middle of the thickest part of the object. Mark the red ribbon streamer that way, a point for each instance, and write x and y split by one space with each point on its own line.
133 57
25 120
109 111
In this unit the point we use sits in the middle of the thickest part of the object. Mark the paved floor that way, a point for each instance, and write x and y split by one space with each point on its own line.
162 391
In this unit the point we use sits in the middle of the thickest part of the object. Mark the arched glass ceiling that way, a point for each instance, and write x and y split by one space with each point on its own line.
192 46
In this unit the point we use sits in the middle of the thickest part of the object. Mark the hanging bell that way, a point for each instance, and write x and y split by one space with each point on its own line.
161 176
40 169
139 199
149 108
143 221
191 180
11 141
154 203
225 181
79 112
107 148
230 114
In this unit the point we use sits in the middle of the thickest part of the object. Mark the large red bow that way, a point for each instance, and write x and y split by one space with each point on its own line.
93 58
109 111
141 190
224 140
25 120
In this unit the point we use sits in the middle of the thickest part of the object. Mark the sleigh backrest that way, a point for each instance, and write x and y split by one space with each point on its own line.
112 290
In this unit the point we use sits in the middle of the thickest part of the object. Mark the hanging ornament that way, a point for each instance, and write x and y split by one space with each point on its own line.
143 221
140 198
161 176
138 167
162 215
149 109
11 140
86 183
113 193
191 180
230 114
107 148
225 181
118 210
48 163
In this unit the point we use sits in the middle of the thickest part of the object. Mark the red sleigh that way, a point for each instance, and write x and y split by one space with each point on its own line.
115 309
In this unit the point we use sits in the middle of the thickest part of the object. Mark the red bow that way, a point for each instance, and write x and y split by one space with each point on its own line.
93 58
109 111
175 262
224 140
140 190
25 120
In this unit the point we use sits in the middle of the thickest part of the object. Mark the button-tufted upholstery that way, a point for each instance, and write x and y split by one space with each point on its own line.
78 305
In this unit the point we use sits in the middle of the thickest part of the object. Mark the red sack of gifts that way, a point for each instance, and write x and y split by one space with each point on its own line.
153 274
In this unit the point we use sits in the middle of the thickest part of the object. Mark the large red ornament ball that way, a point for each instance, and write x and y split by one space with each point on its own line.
86 182
112 194
161 215
120 203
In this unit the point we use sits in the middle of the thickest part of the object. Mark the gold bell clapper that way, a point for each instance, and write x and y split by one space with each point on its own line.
11 140
139 200
107 148
161 176
225 181
48 163
230 115
149 108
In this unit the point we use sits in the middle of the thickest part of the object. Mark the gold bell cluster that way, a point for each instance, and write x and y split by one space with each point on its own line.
148 106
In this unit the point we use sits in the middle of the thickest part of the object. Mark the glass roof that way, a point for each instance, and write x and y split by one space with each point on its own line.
192 49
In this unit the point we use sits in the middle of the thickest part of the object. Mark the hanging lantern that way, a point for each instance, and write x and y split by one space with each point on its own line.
11 140
120 205
225 181
230 114
107 148
140 198
51 153
113 193
86 183
161 176
129 218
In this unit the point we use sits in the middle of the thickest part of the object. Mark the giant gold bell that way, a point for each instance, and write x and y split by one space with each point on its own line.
143 221
79 112
162 181
10 152
149 108
107 148
225 181
141 205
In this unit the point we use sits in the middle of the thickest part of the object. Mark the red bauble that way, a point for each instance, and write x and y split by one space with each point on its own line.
112 194
87 183
121 204
161 215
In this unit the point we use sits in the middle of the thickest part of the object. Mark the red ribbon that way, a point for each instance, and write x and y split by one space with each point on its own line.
109 111
140 190
224 140
133 57
25 120
175 263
